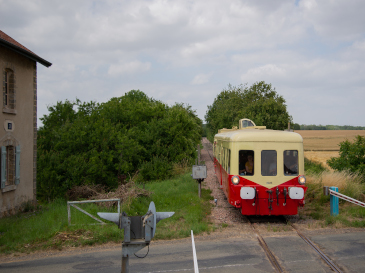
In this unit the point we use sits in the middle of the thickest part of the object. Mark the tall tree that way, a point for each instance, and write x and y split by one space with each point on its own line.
225 109
260 103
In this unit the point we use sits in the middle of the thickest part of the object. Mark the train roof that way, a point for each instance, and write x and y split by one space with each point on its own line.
259 135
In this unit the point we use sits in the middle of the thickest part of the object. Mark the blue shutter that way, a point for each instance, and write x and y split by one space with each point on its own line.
3 166
17 165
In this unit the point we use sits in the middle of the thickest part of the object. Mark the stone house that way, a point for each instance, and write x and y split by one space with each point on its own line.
18 124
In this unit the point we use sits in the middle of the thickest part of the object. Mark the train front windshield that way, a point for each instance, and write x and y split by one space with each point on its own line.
291 162
246 162
269 163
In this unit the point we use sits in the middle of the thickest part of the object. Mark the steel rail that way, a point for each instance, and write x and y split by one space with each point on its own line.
323 256
274 262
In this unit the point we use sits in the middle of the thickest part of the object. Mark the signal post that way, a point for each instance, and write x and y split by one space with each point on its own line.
142 229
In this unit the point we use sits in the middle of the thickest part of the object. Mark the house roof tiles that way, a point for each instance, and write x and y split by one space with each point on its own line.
9 42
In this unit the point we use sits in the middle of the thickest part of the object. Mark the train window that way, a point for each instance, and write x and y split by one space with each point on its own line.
268 163
291 162
229 161
224 159
246 162
246 123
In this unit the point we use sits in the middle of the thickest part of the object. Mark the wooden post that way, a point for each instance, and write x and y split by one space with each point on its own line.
198 154
200 188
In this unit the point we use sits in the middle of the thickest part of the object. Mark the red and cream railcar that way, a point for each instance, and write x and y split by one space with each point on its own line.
261 171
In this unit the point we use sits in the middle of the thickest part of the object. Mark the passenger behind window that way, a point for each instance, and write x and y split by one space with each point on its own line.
291 162
246 162
249 165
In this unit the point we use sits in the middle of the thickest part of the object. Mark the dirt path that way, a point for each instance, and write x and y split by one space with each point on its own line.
223 213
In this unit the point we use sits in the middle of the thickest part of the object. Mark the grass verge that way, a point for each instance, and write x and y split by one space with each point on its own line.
47 227
318 205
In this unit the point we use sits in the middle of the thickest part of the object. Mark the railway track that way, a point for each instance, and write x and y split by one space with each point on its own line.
273 260
323 256
208 147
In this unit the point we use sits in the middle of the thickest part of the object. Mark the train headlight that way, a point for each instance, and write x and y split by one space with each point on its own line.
301 180
235 180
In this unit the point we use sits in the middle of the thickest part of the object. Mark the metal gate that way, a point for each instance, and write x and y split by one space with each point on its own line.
73 204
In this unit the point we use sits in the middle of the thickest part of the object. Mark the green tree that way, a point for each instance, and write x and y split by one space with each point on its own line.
224 111
260 102
296 126
352 156
89 143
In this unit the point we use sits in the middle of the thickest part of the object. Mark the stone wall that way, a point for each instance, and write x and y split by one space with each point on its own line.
23 132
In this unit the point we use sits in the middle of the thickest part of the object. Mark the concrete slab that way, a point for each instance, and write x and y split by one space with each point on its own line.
347 250
295 255
231 255
219 255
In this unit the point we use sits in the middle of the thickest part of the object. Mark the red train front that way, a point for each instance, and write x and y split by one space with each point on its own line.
261 171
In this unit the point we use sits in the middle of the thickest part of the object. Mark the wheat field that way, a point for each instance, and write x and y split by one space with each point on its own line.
321 145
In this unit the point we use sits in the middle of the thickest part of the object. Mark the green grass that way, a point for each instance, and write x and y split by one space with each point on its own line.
179 195
47 227
312 167
318 205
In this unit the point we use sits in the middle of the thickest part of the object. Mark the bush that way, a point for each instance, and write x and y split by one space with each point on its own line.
88 143
312 167
157 168
352 156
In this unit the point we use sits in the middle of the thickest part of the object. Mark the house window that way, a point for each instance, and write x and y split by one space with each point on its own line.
10 165
9 89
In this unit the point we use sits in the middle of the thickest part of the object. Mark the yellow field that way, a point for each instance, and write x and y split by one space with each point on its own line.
321 145
327 140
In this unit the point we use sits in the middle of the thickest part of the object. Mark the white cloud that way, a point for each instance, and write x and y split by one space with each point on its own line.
201 78
263 72
335 21
128 68
188 51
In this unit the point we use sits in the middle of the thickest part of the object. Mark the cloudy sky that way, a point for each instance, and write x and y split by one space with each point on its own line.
311 51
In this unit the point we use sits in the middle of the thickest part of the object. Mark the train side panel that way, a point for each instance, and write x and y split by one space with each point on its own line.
279 194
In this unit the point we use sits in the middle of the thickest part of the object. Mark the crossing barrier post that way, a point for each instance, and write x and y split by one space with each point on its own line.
334 202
